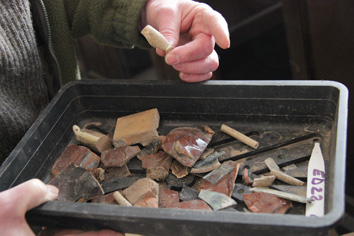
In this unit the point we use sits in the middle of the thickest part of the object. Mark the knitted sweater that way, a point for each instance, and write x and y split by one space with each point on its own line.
24 87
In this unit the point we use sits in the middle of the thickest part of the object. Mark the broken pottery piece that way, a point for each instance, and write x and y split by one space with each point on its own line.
298 190
149 149
92 139
246 177
75 183
178 183
285 195
161 159
179 170
136 128
148 200
186 144
188 193
226 184
118 157
116 172
119 183
239 191
105 199
140 188
157 173
78 155
207 152
263 181
275 170
216 200
136 166
209 159
266 203
206 168
192 205
219 173
167 197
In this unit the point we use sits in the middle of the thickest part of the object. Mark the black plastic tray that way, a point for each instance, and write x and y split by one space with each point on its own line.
288 107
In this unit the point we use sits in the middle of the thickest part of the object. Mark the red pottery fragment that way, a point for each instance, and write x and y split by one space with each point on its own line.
161 159
186 144
266 203
192 205
118 157
105 199
167 197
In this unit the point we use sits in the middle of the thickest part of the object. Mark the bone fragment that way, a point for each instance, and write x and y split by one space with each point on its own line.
239 136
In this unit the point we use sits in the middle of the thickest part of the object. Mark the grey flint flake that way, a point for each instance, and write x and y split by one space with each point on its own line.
219 173
216 200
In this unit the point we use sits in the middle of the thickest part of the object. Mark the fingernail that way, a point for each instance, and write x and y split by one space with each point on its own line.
171 59
179 66
52 192
184 76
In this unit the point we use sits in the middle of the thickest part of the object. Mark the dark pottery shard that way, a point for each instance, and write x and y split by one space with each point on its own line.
216 200
105 199
136 166
226 184
119 183
179 170
118 157
192 205
79 156
186 144
149 149
239 191
76 183
209 159
266 203
116 172
188 193
177 184
167 197
219 173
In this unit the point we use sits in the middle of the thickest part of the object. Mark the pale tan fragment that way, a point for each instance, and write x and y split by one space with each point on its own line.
95 140
263 181
120 199
179 170
275 170
137 128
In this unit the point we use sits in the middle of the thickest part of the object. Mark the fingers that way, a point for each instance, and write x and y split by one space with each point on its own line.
29 194
194 78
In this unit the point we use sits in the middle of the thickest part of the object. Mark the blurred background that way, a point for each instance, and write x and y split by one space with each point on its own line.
270 40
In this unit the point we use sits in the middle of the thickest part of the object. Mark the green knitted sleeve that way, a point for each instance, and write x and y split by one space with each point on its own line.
110 22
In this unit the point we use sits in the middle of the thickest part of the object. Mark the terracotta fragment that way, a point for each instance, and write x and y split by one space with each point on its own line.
157 173
161 159
116 172
167 197
225 185
147 200
266 203
192 205
179 170
118 157
206 153
137 128
105 199
206 168
263 181
75 183
140 188
78 155
149 149
239 191
186 144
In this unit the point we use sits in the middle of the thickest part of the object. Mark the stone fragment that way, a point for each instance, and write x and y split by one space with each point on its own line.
149 149
179 170
116 172
219 173
266 203
92 139
188 193
192 205
140 188
206 168
75 183
119 183
216 200
105 199
136 128
226 184
157 173
187 144
167 197
178 183
118 157
79 156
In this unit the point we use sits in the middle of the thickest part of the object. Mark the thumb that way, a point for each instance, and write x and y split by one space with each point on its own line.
36 193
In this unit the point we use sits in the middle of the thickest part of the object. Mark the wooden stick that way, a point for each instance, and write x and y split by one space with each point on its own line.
120 199
239 136
156 39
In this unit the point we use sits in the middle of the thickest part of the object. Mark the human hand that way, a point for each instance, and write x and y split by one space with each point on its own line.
192 28
15 202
